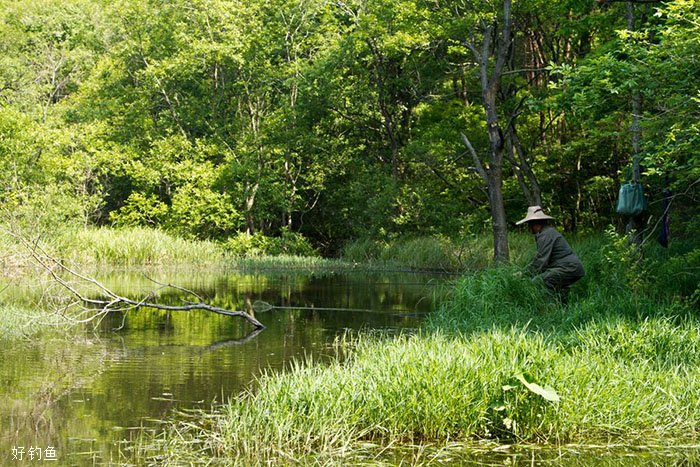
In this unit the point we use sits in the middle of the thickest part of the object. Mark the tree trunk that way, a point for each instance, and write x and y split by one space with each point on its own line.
251 191
636 223
292 189
489 87
498 213
495 177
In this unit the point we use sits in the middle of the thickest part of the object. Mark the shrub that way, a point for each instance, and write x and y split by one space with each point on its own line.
257 244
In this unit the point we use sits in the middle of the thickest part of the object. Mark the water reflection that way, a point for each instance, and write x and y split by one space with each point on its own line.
83 395
490 454
88 394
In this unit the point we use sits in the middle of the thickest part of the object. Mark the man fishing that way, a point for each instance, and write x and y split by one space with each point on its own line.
555 264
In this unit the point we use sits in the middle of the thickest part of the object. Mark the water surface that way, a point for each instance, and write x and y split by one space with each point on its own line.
87 394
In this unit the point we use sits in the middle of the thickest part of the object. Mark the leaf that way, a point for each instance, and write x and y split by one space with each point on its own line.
547 392
497 406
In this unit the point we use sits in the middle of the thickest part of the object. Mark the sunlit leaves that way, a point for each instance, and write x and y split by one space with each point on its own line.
340 119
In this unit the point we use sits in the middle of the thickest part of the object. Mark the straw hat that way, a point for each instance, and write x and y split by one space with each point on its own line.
534 213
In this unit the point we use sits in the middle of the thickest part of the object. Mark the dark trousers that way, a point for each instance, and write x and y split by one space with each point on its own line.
559 279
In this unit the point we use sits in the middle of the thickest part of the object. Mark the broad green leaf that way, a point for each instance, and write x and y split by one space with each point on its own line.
546 392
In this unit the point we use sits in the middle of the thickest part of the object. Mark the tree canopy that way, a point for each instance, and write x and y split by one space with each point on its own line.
339 120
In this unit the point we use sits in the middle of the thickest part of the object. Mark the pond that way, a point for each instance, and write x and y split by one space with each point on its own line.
84 397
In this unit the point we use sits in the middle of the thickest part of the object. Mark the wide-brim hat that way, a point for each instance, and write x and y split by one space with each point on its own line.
534 213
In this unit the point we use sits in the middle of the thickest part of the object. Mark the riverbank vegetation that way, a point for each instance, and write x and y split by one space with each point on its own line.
433 253
500 360
129 247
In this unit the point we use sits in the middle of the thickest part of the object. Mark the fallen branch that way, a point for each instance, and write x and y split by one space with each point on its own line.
97 308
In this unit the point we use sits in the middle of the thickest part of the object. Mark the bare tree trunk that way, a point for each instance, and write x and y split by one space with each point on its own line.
498 214
635 223
495 179
291 180
490 84
251 191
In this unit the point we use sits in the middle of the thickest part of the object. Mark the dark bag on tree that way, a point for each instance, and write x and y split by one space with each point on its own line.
631 201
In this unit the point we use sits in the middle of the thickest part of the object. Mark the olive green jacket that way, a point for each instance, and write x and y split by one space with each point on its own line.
554 252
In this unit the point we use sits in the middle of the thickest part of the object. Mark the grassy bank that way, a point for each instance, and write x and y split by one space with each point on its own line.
434 253
99 247
136 247
436 388
144 247
500 361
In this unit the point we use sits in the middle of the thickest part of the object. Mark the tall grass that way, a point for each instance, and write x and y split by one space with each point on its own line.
501 360
296 263
135 246
434 253
139 246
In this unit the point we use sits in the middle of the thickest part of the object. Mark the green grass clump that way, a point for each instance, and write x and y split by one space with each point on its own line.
422 253
434 253
427 253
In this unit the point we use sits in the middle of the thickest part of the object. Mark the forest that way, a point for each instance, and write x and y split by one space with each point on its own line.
347 175
330 121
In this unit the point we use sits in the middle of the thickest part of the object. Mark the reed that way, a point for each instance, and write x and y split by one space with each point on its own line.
145 247
135 246
425 253
126 247
434 253
288 262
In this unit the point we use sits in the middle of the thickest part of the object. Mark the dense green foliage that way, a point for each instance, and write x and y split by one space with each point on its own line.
143 132
334 120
